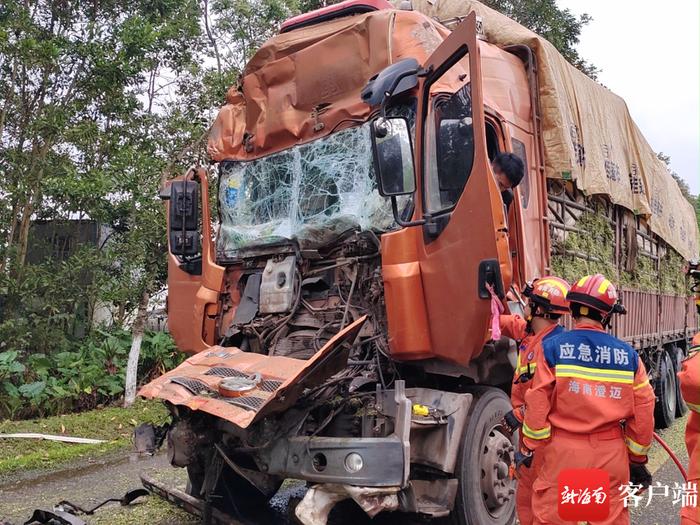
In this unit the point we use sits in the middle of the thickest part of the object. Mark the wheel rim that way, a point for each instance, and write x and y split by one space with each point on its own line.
496 463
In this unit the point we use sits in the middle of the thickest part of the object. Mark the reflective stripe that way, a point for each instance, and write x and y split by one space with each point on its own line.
635 448
582 281
554 283
524 369
595 374
640 385
603 286
543 433
693 407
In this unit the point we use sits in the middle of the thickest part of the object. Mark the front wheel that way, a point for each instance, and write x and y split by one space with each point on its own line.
486 492
665 390
677 356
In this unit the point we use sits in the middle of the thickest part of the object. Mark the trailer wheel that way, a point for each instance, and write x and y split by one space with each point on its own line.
486 494
665 390
677 356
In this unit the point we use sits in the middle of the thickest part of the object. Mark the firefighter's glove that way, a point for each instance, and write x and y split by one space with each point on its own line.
523 458
510 423
639 475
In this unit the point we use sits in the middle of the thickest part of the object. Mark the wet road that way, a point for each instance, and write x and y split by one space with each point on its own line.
86 485
89 484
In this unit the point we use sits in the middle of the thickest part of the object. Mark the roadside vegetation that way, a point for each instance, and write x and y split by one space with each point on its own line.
79 376
153 510
113 424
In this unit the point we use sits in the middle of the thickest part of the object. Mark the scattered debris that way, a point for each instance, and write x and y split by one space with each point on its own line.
125 500
148 438
54 516
66 513
189 503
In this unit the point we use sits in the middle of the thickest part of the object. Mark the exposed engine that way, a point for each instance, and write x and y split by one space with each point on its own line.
292 304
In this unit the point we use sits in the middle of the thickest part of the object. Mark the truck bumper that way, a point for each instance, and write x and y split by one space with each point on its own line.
368 462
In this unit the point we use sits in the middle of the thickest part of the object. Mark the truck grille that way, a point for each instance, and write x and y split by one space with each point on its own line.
195 386
223 371
248 402
270 385
198 388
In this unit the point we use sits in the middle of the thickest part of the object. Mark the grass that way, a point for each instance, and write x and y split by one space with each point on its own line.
153 510
114 424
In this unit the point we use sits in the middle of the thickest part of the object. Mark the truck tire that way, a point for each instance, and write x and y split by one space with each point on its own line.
486 494
665 390
677 356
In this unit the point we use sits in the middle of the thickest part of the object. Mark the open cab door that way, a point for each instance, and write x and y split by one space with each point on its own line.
465 251
194 278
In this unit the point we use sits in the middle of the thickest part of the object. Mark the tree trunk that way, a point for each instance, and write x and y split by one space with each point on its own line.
137 330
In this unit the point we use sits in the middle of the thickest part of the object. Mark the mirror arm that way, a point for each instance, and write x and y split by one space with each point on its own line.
389 92
397 217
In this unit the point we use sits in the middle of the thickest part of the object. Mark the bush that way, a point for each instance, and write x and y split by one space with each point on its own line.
86 376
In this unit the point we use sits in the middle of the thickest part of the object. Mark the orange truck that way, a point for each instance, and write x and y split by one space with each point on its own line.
338 310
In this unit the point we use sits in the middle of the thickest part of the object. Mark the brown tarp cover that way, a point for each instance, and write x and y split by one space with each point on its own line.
588 133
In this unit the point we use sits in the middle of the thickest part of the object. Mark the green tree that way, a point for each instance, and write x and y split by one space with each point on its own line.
83 123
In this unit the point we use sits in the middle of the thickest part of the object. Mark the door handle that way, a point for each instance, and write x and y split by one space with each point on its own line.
490 273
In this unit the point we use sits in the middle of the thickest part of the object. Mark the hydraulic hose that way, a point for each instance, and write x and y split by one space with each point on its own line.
672 455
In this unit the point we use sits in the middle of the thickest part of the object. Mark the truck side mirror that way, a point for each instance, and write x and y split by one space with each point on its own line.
393 80
393 157
184 218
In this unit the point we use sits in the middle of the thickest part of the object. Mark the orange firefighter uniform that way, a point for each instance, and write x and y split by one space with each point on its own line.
546 296
690 388
530 347
587 382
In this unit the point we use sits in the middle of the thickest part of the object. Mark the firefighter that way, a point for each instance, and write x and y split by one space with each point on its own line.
690 388
546 304
590 402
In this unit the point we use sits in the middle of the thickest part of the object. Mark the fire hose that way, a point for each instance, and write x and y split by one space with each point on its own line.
671 455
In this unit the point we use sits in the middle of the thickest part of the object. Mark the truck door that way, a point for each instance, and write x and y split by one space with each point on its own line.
194 282
465 243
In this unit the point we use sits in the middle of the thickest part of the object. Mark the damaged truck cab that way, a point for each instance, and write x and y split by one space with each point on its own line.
338 319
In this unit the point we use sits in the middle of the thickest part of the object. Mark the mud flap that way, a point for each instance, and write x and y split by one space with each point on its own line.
195 383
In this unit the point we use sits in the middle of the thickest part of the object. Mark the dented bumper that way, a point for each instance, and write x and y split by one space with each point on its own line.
195 383
371 462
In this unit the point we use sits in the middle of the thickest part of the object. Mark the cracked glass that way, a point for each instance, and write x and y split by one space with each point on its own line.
312 193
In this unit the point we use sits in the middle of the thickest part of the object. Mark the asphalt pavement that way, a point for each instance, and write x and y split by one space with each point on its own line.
660 510
88 484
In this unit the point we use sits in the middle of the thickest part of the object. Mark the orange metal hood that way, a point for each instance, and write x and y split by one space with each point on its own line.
194 383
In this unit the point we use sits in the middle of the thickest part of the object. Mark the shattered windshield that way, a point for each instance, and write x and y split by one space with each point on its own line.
310 193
